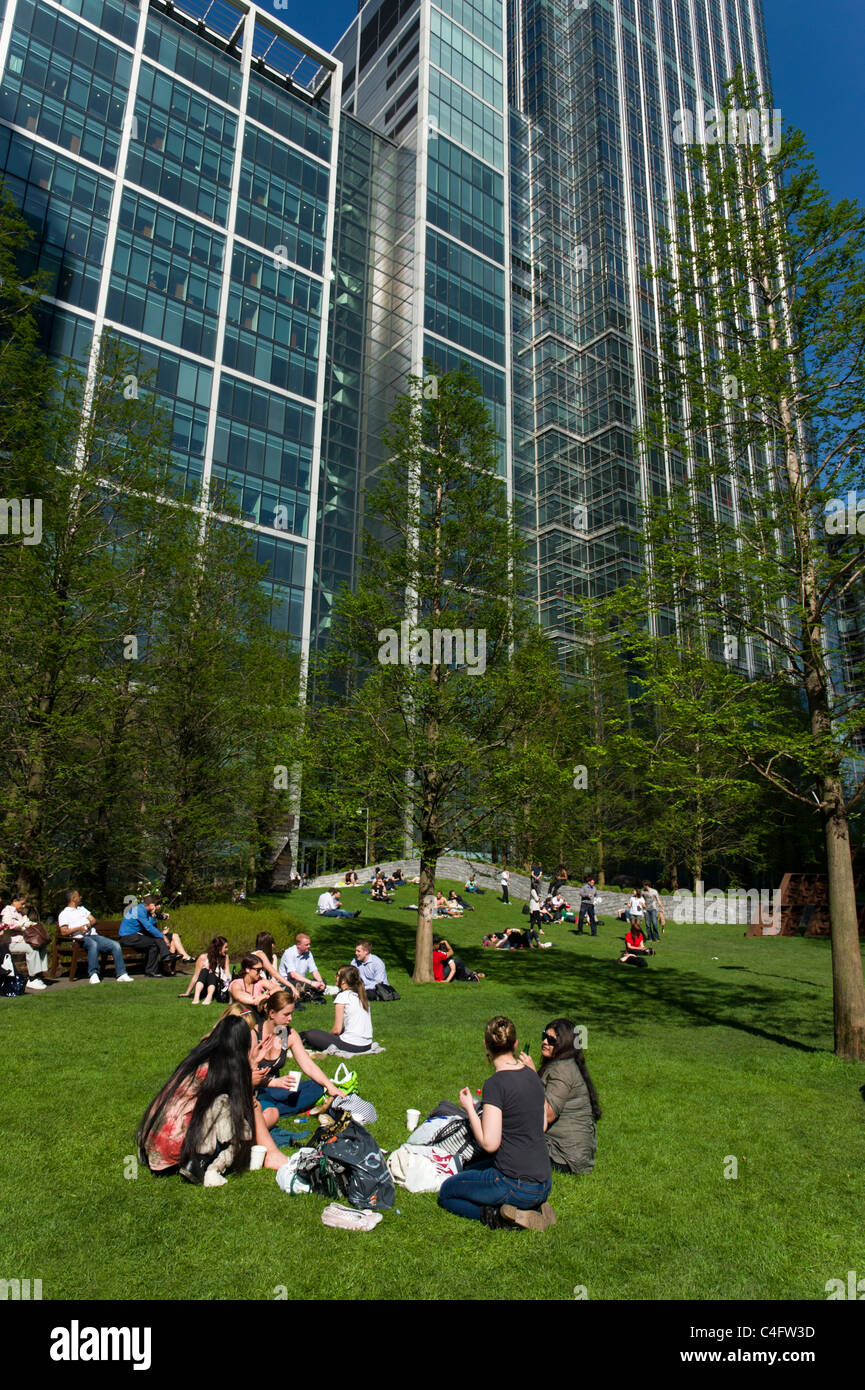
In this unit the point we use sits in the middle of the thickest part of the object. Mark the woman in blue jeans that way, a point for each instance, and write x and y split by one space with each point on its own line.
510 1187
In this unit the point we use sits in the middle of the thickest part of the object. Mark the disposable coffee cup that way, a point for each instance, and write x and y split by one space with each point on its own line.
256 1157
412 1119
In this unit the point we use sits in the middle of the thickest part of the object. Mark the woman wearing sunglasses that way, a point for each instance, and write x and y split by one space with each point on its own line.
570 1099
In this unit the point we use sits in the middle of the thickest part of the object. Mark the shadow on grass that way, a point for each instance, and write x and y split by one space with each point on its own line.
612 996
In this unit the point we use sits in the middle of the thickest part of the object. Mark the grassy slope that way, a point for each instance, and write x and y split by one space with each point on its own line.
695 1059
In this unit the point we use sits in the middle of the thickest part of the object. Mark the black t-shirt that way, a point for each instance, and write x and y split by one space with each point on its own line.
519 1094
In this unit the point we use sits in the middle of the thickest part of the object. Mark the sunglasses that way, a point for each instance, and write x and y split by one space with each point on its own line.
549 1038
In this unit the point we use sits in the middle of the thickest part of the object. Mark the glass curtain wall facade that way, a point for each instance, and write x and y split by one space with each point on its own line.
433 78
177 164
594 87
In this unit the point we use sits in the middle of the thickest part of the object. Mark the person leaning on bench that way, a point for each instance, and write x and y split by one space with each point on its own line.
139 928
77 923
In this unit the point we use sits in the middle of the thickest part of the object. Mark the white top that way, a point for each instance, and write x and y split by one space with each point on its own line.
17 921
534 900
636 906
296 963
505 876
77 919
652 897
356 1021
326 902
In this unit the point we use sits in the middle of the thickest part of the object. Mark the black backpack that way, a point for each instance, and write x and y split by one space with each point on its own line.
348 1163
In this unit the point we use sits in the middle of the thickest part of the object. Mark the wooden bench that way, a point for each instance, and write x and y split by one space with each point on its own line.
66 947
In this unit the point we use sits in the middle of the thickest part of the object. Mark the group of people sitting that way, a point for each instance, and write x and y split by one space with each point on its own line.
261 976
531 1122
162 946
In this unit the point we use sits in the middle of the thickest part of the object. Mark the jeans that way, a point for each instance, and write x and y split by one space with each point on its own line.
336 912
308 1093
587 909
652 923
482 1185
93 945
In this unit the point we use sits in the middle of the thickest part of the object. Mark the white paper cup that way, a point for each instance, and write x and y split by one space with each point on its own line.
412 1119
257 1157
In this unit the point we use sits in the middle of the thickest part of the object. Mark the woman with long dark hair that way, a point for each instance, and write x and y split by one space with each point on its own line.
570 1099
352 1021
510 1186
210 976
203 1121
265 949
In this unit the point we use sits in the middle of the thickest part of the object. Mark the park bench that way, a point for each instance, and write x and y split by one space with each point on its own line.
65 948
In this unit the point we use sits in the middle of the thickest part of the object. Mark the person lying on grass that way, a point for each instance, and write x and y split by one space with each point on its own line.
352 1020
509 1187
211 976
203 1121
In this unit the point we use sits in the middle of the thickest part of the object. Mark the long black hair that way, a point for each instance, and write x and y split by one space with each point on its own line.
566 1046
214 952
225 1053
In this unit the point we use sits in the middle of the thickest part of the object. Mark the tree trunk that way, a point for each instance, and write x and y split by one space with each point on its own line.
847 985
423 971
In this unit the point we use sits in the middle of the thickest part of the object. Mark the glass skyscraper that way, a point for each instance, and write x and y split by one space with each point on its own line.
281 235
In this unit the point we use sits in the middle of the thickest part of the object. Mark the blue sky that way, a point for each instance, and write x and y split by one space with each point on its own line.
817 54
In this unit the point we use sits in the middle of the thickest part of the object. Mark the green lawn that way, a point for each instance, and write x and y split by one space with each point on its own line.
722 1048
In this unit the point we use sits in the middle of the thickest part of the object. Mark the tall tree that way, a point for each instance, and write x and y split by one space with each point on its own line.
441 667
762 424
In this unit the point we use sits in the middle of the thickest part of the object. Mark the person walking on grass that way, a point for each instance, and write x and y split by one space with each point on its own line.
654 908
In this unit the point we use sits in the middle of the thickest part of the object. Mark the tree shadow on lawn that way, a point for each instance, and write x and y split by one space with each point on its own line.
625 999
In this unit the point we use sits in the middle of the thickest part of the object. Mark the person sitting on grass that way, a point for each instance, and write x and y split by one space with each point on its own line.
636 951
352 1020
570 1098
455 902
203 1121
265 949
351 879
448 967
249 988
329 905
299 969
211 976
472 887
372 969
509 1187
379 893
280 1043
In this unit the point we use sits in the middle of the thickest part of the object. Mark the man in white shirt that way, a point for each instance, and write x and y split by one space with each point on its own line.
79 924
329 906
298 966
654 907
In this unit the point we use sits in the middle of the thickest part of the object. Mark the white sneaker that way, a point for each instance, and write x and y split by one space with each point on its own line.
94 979
36 984
125 980
348 1218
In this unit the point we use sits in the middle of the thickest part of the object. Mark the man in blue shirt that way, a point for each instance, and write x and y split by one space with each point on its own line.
298 966
139 928
370 968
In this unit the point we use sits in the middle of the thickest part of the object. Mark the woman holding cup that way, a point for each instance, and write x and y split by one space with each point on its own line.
510 1186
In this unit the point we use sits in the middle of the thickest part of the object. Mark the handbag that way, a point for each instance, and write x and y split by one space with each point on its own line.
36 936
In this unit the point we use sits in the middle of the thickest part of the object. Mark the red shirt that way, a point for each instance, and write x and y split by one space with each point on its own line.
634 937
439 958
